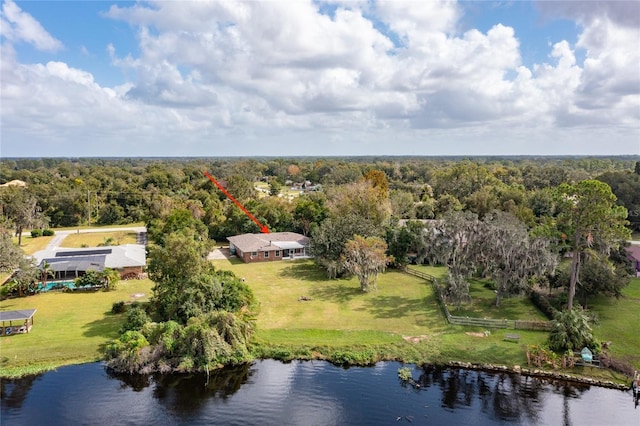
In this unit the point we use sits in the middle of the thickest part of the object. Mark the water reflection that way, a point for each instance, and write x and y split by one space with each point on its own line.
270 392
500 396
13 392
187 393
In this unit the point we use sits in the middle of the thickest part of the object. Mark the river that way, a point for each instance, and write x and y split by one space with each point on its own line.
308 393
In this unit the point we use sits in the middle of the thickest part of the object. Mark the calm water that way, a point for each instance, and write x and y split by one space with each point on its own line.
307 393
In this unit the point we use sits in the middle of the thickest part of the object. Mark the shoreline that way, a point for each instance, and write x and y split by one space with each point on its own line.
487 367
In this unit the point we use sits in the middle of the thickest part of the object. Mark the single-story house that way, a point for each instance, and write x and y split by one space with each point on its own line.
70 263
269 247
634 255
16 322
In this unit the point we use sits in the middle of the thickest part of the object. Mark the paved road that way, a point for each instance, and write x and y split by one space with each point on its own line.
61 235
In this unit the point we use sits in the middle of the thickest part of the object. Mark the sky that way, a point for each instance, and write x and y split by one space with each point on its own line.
319 78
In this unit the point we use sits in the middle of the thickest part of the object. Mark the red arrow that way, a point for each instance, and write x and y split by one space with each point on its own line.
263 228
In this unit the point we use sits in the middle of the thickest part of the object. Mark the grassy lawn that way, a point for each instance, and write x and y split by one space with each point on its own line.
618 322
68 327
340 315
92 239
482 305
73 228
32 245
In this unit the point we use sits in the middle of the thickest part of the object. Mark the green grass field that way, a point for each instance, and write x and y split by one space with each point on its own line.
482 305
68 328
619 320
32 245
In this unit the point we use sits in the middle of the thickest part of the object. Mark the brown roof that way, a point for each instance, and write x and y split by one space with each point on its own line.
267 242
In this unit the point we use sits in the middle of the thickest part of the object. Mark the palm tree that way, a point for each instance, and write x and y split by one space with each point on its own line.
110 278
45 272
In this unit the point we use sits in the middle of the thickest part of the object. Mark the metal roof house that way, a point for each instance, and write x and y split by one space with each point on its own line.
269 247
74 262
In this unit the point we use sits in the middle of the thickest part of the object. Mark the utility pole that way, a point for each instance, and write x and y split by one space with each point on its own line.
88 208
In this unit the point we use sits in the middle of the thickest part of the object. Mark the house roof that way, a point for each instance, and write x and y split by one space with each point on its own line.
21 315
114 257
268 242
76 263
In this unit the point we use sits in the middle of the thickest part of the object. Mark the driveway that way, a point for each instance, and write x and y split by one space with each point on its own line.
220 254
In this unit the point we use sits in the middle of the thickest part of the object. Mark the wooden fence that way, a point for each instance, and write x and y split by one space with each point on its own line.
477 322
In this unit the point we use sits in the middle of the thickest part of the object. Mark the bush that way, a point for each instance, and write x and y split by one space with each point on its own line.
4 292
89 279
48 233
136 319
118 307
35 233
542 302
570 331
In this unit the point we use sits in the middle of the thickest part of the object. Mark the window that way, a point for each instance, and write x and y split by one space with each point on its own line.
277 253
266 254
254 253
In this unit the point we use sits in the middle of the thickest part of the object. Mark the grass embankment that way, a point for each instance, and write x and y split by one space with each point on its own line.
69 328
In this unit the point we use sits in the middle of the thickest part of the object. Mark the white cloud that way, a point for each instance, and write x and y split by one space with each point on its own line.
275 73
17 26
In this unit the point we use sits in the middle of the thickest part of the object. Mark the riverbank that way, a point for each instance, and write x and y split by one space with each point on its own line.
401 321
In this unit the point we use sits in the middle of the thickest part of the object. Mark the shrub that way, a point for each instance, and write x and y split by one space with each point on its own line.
89 279
118 307
48 233
4 292
35 233
570 331
543 303
136 319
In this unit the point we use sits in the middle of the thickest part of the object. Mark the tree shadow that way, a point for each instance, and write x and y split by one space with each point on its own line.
397 307
338 293
304 271
106 326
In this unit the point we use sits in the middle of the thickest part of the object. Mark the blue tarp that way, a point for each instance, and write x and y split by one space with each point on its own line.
587 355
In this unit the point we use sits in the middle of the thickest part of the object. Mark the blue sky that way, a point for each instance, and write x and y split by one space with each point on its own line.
331 77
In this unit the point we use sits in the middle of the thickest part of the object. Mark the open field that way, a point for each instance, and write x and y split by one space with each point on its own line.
68 328
92 239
